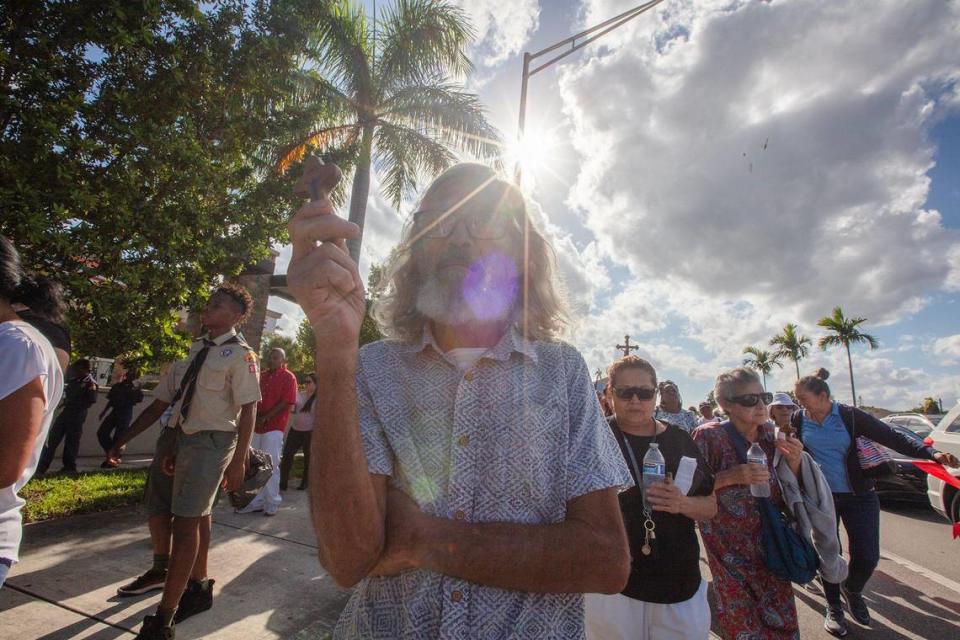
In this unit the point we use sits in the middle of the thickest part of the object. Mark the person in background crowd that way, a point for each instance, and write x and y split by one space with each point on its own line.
278 387
829 431
30 389
706 411
79 395
121 399
781 409
214 393
604 405
298 437
671 408
47 296
665 596
751 602
463 477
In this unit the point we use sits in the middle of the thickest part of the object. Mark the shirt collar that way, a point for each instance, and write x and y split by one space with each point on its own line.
511 342
221 339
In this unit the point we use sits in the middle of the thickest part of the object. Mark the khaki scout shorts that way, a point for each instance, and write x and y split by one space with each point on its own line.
202 458
159 491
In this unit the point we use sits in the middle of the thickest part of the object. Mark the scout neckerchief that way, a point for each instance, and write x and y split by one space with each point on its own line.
188 384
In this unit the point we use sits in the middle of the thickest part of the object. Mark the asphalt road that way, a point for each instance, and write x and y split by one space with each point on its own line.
915 591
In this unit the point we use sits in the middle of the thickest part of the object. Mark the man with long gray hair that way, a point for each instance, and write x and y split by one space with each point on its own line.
462 474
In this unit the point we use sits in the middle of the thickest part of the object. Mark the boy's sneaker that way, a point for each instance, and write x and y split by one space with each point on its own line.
154 629
833 622
855 604
150 581
195 599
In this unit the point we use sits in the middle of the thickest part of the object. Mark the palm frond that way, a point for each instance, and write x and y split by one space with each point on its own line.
447 114
322 139
422 40
340 48
405 156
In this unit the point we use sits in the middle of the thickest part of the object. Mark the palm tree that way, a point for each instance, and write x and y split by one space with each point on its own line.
762 361
791 345
844 331
385 96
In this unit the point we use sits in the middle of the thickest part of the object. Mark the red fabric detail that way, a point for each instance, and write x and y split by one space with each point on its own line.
937 470
276 386
956 530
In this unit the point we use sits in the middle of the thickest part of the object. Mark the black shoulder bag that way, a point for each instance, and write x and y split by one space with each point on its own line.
787 554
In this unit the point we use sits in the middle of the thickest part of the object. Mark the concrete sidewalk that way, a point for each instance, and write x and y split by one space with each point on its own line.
269 581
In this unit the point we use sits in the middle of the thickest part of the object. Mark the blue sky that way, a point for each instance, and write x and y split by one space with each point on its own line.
719 168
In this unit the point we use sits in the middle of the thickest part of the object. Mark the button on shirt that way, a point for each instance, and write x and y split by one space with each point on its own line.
228 379
829 443
512 439
276 386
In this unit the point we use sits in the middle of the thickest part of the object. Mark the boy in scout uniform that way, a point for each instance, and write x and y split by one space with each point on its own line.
214 395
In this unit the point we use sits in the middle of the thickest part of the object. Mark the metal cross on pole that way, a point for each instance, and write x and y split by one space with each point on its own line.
626 347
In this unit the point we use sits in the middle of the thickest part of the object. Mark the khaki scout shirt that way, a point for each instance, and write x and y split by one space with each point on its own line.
228 379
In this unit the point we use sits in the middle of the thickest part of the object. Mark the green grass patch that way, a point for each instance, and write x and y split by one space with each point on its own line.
59 496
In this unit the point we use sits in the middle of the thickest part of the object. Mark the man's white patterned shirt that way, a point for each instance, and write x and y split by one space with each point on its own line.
512 439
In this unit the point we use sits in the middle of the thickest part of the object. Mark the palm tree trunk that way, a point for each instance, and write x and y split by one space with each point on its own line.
797 363
764 374
361 190
853 390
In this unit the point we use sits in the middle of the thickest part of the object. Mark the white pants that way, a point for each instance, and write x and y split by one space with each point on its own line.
269 497
617 617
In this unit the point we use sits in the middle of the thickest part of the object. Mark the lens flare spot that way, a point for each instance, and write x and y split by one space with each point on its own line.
490 286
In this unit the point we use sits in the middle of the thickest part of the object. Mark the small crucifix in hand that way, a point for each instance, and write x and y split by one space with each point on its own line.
626 347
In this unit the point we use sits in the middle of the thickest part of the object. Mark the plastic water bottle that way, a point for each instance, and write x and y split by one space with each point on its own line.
654 469
756 455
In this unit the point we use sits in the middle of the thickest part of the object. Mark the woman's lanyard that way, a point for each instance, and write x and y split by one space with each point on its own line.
648 524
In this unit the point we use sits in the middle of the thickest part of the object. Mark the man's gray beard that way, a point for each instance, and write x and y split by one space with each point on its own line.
444 303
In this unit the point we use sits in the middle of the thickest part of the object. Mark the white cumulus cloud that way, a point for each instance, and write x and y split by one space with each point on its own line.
502 27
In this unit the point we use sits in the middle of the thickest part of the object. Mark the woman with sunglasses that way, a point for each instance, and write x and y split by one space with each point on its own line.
665 597
828 431
298 437
751 602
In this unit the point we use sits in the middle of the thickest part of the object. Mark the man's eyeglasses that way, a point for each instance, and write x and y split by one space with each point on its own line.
478 226
642 393
752 399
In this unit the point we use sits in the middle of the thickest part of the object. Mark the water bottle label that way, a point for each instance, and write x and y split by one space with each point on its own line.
655 469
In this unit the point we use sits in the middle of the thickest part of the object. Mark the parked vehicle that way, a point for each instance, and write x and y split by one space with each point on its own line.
944 498
908 482
914 421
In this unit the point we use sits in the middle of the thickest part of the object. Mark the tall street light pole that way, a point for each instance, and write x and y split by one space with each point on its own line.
576 42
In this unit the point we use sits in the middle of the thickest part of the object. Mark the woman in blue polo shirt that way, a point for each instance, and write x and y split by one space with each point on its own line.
829 430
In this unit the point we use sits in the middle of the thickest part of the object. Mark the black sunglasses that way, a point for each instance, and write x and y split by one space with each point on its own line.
642 393
751 399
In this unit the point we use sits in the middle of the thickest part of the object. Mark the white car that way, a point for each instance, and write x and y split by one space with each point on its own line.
944 498
916 422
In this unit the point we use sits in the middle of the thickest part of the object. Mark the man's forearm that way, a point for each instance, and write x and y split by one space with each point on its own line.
568 557
273 411
348 516
143 422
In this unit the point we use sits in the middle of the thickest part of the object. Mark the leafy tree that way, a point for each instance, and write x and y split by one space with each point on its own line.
761 361
307 345
387 99
792 345
129 152
299 361
843 331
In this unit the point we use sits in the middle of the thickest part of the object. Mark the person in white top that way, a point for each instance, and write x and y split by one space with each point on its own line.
30 390
298 436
